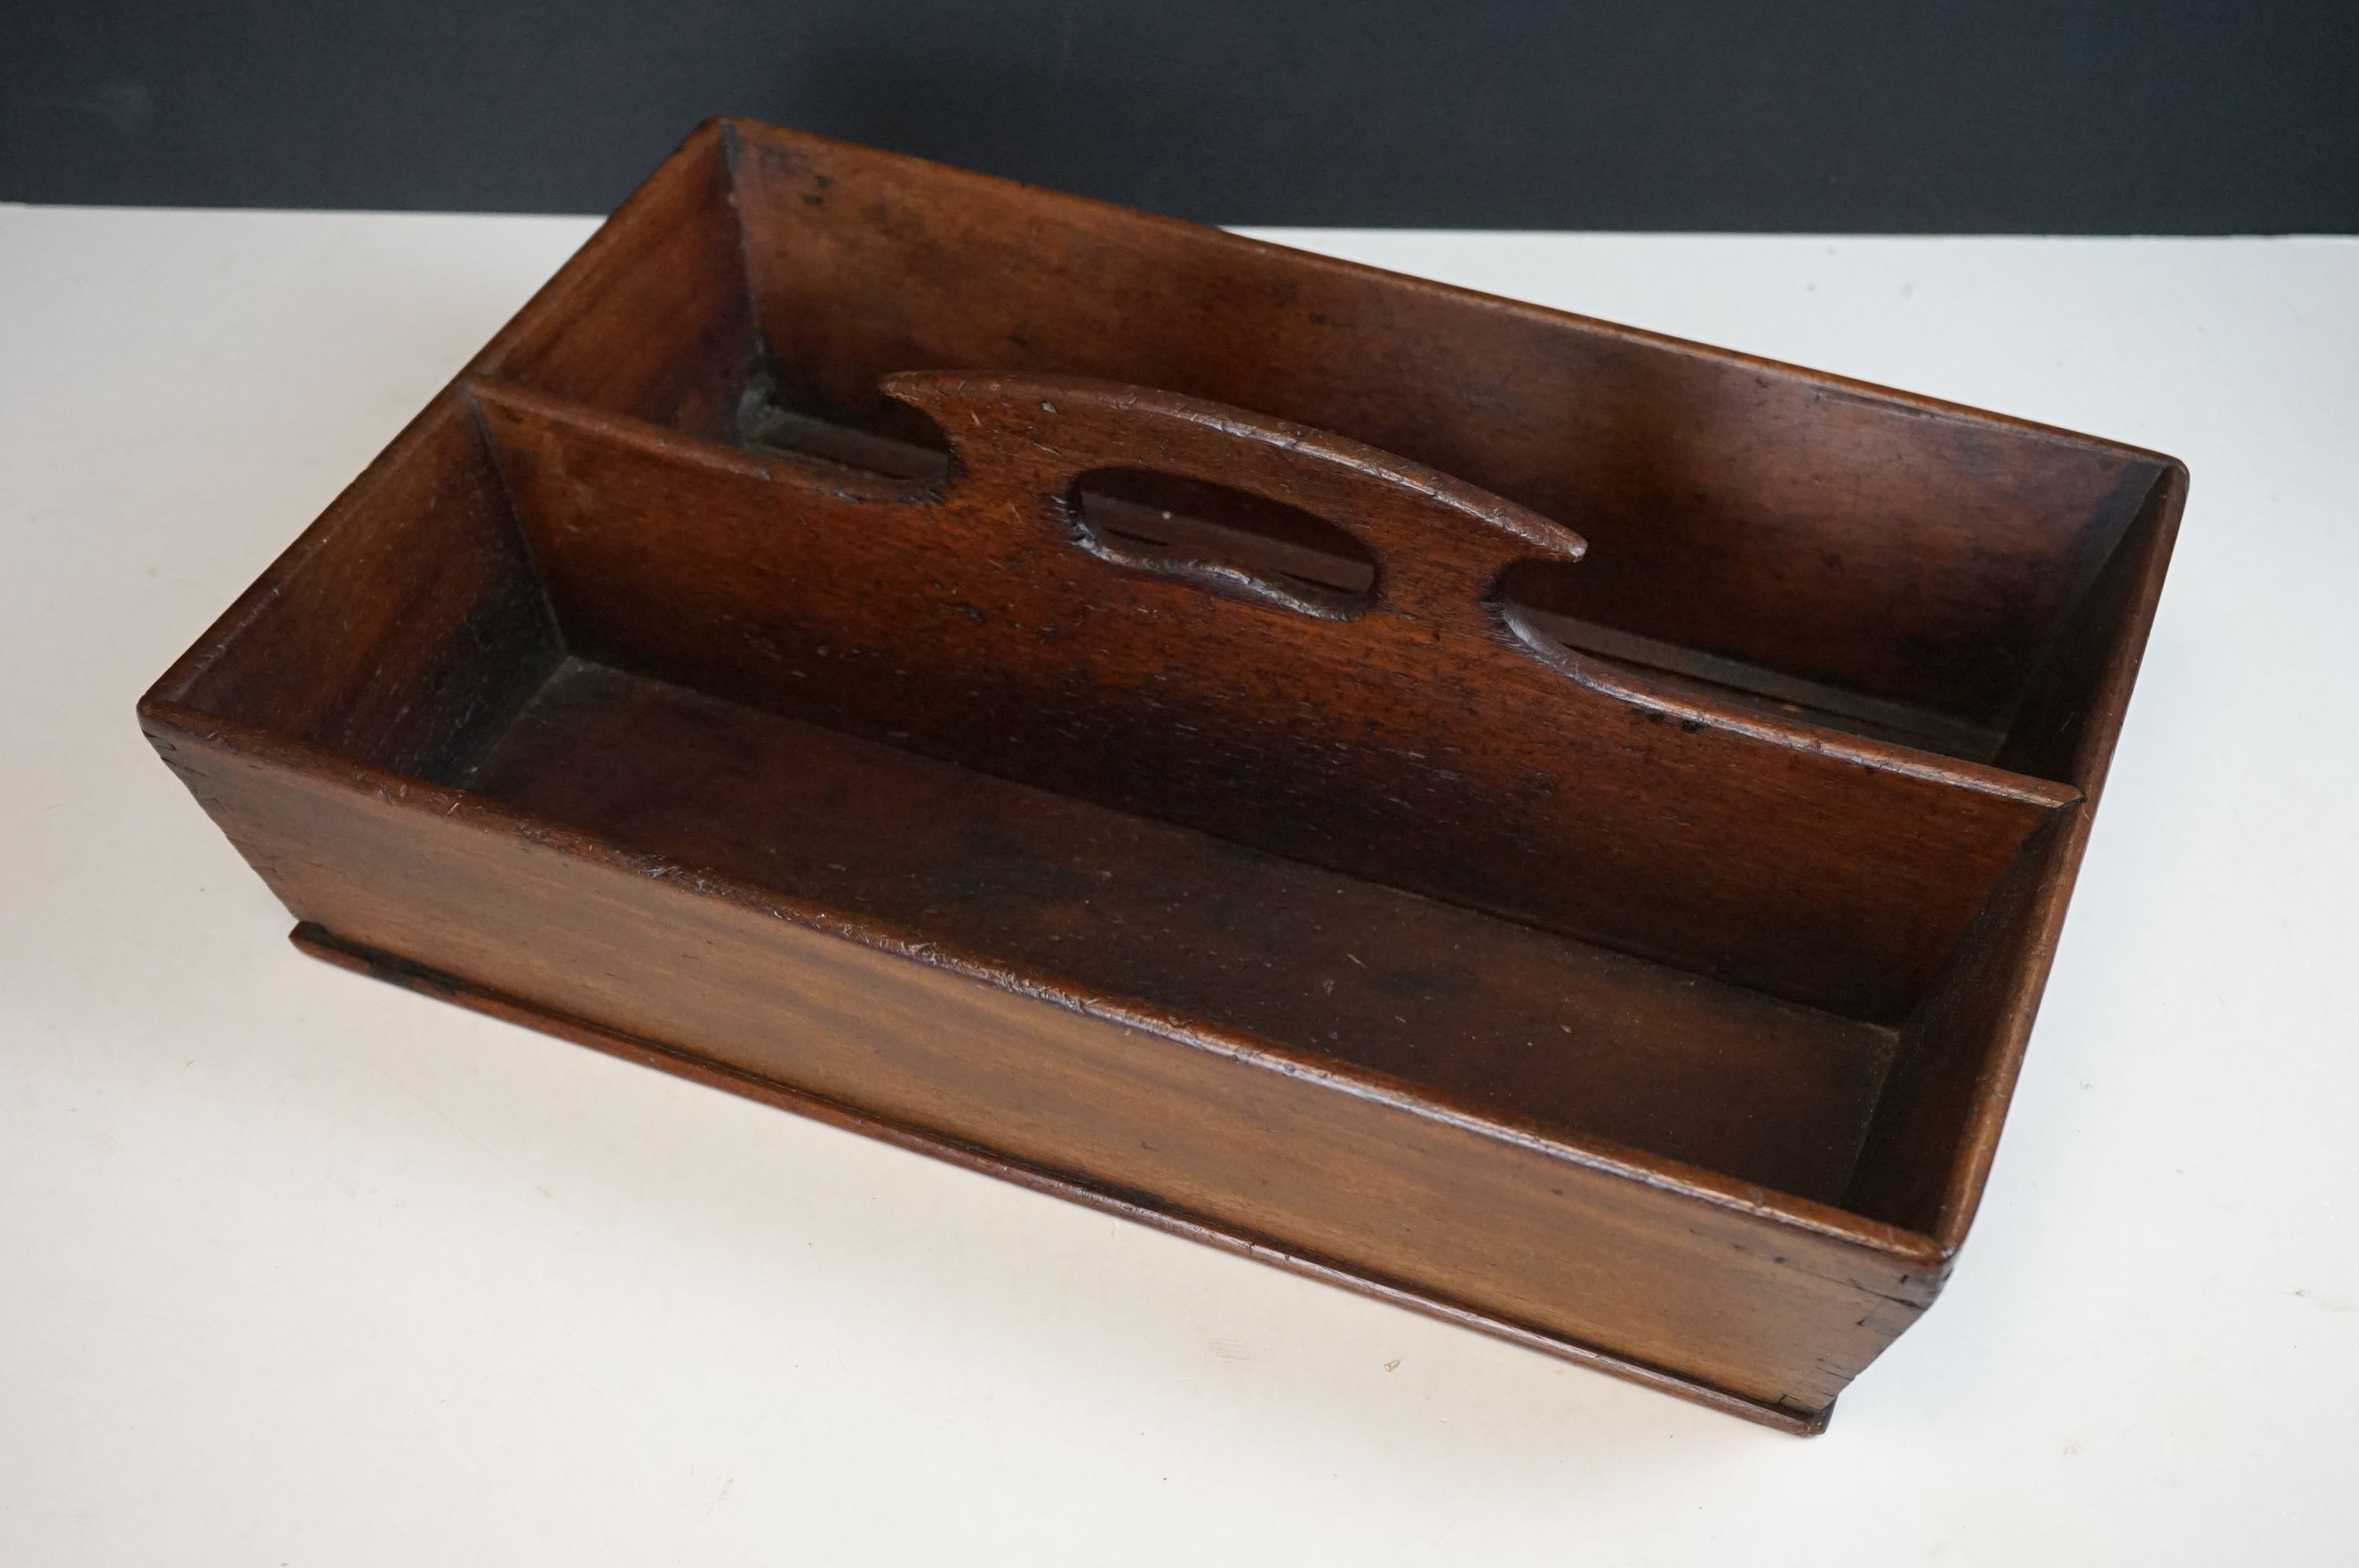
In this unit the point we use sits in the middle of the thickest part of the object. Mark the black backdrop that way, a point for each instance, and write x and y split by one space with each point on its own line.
2022 116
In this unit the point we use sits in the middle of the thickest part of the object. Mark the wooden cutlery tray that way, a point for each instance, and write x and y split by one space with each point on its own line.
1543 823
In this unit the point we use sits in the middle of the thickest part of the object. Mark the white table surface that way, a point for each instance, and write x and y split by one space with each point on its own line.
296 1269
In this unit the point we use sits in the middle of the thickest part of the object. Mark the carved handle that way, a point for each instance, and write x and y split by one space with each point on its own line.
1440 544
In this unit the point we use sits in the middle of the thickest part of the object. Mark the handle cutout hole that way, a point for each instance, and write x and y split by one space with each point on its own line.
1227 538
1539 601
892 440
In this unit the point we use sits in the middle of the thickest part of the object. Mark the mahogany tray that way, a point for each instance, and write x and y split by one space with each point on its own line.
1543 823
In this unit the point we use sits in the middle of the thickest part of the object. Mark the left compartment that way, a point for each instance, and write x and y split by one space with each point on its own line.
403 633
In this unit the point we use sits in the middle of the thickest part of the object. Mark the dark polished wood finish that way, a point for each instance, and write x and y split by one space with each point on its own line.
1547 824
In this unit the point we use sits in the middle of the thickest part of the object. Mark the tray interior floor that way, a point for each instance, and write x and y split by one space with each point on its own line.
1510 1022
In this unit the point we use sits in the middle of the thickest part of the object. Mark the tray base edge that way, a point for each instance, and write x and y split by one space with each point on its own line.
322 943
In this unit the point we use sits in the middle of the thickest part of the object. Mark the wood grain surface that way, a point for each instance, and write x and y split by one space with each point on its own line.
1551 825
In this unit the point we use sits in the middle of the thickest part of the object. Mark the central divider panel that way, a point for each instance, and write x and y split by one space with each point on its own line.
1407 735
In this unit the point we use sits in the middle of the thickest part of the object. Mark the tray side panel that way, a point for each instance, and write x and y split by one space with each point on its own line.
1985 998
2072 712
1836 532
1186 1125
319 943
652 317
1937 1124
